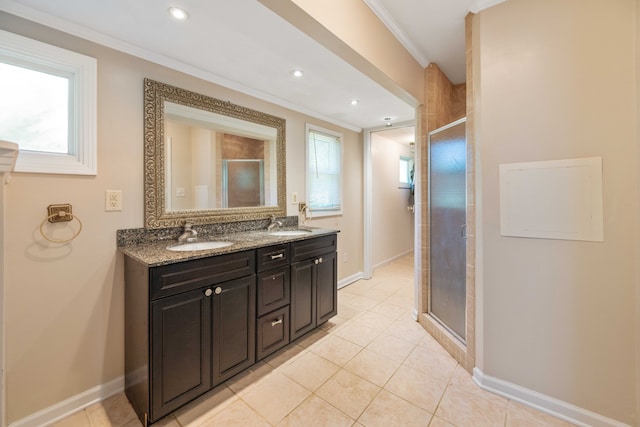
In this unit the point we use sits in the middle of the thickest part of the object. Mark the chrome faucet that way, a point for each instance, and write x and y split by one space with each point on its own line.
274 223
189 234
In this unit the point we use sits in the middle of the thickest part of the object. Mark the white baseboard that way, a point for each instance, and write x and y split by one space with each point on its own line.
544 403
349 280
390 260
71 405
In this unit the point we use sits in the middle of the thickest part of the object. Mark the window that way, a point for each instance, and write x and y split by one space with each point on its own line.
324 171
405 176
49 106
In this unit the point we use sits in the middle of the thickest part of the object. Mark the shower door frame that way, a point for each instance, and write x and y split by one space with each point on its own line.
428 308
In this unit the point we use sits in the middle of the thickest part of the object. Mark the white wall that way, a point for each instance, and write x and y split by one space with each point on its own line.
556 81
391 223
65 307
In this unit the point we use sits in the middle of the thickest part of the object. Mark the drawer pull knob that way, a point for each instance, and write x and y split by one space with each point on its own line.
208 293
218 290
277 256
276 322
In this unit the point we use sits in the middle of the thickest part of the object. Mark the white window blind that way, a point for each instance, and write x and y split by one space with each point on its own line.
324 171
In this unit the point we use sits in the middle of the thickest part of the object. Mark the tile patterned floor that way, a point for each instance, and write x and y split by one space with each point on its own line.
370 366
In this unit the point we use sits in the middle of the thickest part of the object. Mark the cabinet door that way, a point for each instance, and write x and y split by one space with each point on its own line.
181 350
327 287
303 298
234 320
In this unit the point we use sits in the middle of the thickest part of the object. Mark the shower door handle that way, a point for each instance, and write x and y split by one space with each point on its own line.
463 231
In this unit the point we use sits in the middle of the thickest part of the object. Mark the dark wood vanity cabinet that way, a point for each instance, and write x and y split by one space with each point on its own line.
188 327
313 284
192 325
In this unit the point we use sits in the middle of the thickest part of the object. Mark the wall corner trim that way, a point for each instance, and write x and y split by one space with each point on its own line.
72 405
543 403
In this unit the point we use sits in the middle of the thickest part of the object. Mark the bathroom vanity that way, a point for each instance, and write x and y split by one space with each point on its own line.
195 319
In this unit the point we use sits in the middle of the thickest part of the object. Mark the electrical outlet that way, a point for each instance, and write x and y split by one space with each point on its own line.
113 200
345 257
294 198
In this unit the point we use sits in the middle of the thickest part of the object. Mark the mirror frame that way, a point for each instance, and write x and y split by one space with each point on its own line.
155 215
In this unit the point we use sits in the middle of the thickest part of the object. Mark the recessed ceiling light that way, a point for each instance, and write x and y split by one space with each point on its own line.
178 13
297 73
354 102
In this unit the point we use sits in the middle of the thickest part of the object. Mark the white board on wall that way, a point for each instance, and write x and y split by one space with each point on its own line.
558 199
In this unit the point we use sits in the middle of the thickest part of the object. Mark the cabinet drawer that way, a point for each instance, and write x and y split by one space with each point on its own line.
273 332
183 276
310 248
272 257
273 289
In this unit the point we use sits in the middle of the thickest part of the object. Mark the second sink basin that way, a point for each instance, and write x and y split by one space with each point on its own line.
199 246
289 232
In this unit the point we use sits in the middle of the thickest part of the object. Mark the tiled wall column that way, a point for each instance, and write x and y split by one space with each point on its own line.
446 103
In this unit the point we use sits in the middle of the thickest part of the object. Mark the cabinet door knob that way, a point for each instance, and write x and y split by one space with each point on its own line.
316 261
218 290
208 293
320 259
276 322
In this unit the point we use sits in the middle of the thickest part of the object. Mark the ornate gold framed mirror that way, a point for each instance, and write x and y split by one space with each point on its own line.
209 161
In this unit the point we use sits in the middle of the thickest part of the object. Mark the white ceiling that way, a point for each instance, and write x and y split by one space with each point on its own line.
243 45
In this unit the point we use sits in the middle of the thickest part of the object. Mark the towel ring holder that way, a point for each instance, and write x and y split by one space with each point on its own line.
60 216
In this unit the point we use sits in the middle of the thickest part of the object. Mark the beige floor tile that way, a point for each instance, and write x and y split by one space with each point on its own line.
373 367
439 422
433 363
361 287
79 419
333 324
250 378
388 410
463 409
114 411
284 355
348 392
391 347
408 330
358 333
389 310
401 301
430 342
359 302
418 388
346 311
523 416
238 414
315 412
312 338
374 320
206 406
336 349
310 370
275 397
462 379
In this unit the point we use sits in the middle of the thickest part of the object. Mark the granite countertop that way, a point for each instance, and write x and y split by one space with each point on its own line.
156 253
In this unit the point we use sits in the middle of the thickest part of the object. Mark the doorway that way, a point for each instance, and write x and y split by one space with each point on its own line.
447 218
388 195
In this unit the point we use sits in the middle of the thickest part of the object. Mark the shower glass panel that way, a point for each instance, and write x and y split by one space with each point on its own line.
447 213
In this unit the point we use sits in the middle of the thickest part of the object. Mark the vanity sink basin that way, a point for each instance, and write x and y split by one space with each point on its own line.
199 246
289 232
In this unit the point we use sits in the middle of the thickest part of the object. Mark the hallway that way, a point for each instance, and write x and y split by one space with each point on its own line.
371 365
